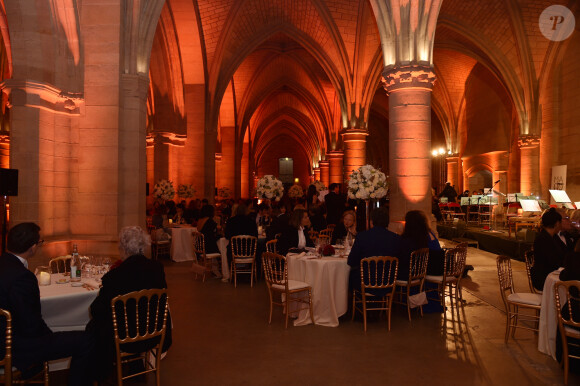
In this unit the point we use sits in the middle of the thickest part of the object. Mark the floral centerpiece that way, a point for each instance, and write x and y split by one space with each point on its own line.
367 183
319 185
163 190
270 187
185 191
295 191
224 193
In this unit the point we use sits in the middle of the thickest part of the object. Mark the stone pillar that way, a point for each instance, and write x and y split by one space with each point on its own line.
530 165
209 164
453 172
316 174
245 174
227 174
132 150
336 160
325 172
355 149
409 90
219 180
4 151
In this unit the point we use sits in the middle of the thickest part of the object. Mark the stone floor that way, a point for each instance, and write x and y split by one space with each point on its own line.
222 337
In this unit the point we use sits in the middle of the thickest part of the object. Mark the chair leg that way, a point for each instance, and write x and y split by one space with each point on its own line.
353 305
507 326
287 310
310 305
565 359
252 275
364 305
408 306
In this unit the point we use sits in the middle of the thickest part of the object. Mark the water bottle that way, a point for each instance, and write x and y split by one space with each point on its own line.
75 265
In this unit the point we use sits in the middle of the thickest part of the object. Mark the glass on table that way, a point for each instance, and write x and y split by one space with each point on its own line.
42 273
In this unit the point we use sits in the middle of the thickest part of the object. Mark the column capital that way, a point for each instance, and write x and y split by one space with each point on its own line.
528 141
42 95
323 164
335 154
354 135
218 156
409 76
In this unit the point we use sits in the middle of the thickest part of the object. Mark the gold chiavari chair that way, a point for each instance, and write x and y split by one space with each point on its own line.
529 259
243 254
326 232
378 275
60 264
139 325
417 273
276 273
271 246
159 247
313 235
203 260
569 322
10 375
513 300
324 239
450 282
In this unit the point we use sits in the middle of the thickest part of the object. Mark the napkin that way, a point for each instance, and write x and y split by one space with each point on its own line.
92 283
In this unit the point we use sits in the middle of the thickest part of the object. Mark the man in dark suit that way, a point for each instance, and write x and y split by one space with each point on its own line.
33 341
566 237
334 204
548 254
135 272
377 241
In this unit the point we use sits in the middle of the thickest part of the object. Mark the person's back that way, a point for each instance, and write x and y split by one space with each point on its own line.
548 256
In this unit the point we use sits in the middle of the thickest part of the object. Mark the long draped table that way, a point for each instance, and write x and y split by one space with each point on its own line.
548 327
328 277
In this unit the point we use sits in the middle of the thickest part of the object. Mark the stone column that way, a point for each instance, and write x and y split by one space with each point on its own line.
529 165
453 172
409 90
227 175
316 174
336 158
246 191
4 151
209 165
325 172
355 148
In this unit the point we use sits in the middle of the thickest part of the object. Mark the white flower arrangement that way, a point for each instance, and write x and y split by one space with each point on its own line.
270 187
319 185
185 191
224 192
164 190
295 191
367 182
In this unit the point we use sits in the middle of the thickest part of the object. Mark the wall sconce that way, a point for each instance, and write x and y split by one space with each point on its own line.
296 180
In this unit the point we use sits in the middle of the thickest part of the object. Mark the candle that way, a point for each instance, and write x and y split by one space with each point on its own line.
44 278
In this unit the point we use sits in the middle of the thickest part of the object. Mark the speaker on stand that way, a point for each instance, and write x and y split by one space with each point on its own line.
8 187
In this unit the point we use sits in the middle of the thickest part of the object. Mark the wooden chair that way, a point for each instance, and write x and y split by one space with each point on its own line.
276 273
450 282
454 211
243 253
417 273
313 235
513 301
444 211
529 259
569 325
326 232
10 375
140 318
377 275
473 214
324 239
271 246
204 261
511 211
485 213
60 264
159 247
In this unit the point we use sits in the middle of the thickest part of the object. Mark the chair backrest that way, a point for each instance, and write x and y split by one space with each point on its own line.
244 246
271 246
529 259
6 352
275 269
504 275
139 316
378 272
418 264
60 264
323 239
199 245
313 234
571 318
513 207
455 261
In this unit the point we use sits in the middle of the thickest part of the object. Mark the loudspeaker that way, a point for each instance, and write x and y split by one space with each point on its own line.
8 182
147 189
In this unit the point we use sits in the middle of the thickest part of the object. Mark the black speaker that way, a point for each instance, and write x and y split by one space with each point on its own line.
147 188
8 182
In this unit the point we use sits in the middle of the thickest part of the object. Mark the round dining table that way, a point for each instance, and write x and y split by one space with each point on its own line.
548 326
328 278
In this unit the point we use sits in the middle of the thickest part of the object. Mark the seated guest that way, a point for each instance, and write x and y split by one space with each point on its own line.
280 220
207 225
377 241
295 235
33 342
191 214
566 237
417 235
335 204
548 255
317 217
571 271
136 272
239 225
178 218
346 228
263 216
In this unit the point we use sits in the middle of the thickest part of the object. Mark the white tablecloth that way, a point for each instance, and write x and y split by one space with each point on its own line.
182 243
328 278
548 318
